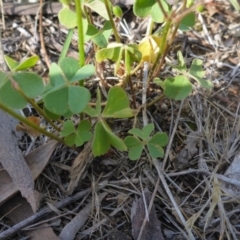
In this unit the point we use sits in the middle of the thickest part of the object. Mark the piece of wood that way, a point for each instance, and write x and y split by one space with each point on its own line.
31 8
48 7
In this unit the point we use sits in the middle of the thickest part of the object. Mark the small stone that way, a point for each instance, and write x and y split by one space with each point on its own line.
164 107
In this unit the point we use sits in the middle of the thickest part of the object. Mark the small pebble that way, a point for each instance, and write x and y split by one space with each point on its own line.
163 108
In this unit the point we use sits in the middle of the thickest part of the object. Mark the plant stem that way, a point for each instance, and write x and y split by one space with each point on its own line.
158 68
162 49
80 32
149 27
162 9
111 21
42 113
33 103
160 97
129 80
29 123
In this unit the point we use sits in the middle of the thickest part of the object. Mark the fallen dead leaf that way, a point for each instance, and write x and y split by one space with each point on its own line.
36 161
22 127
18 209
13 161
152 228
189 150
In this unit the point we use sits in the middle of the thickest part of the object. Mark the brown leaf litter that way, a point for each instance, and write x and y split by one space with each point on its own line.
13 161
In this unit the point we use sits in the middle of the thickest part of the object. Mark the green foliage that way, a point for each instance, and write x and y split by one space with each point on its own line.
28 83
67 17
236 5
179 87
142 8
117 11
65 94
98 7
63 79
23 65
197 72
117 106
187 22
141 138
77 136
156 12
99 37
118 51
104 138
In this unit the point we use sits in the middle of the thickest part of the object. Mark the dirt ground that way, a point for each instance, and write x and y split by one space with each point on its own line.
192 193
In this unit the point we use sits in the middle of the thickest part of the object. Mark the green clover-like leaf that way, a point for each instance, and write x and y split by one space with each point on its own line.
197 71
142 8
83 73
67 17
11 63
177 88
115 141
83 133
156 143
63 95
30 83
144 133
156 12
23 65
104 138
98 7
187 22
57 78
94 112
101 142
117 104
70 140
68 128
8 95
112 52
67 98
135 147
27 63
181 62
96 36
50 114
76 137
68 67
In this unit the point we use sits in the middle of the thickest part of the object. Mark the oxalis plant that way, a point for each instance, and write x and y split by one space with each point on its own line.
66 95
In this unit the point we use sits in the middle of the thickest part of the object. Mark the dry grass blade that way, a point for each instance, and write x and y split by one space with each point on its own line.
8 233
70 230
175 206
17 209
79 166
